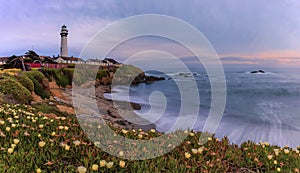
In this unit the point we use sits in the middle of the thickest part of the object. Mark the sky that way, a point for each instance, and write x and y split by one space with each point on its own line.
241 32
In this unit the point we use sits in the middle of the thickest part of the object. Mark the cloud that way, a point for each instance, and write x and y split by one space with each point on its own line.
253 28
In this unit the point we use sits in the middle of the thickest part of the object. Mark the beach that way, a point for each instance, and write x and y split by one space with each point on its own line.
109 112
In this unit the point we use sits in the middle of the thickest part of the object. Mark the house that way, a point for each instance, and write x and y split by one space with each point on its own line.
68 60
3 60
112 62
96 62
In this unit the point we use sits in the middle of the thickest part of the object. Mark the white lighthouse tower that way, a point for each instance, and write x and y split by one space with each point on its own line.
64 41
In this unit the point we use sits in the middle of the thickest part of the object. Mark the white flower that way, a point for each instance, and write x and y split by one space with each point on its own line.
121 153
276 151
194 151
270 157
200 150
7 129
109 164
76 143
81 169
286 151
102 163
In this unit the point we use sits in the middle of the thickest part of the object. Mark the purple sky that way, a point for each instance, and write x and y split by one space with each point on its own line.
243 32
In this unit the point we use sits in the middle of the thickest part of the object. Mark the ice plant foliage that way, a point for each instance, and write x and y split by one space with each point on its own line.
31 142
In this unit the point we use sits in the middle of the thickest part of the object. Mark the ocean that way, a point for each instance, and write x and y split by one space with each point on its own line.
259 107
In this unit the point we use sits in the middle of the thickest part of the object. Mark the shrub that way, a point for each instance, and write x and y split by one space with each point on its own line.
38 89
102 73
25 81
14 91
60 79
68 73
39 76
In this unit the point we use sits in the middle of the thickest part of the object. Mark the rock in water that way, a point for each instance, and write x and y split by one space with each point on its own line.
258 71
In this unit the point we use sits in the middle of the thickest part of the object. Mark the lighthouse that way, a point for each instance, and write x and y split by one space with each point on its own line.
64 41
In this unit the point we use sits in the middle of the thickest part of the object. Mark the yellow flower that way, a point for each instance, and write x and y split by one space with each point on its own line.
41 126
10 150
278 169
124 131
276 151
13 145
66 128
266 143
270 157
95 167
81 169
16 141
38 170
121 153
42 144
192 134
140 136
60 127
152 130
67 147
275 162
286 151
109 164
102 163
209 138
53 134
39 135
122 163
76 143
7 129
2 122
297 151
187 155
200 150
194 151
